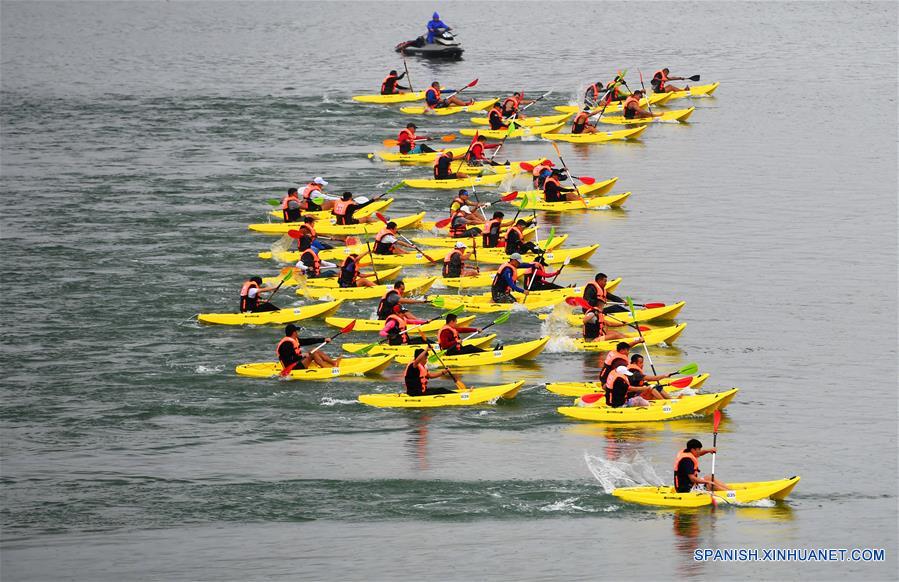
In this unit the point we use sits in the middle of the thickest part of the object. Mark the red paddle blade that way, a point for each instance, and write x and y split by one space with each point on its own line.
526 166
381 217
716 421
444 222
588 180
681 382
294 234
472 84
286 371
643 328
351 240
577 302
349 327
653 305
591 398
510 196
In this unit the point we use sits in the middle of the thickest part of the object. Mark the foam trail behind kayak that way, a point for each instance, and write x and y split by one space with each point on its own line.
631 470
557 329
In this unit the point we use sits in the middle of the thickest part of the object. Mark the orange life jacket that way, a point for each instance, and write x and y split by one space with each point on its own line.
421 378
311 260
339 210
346 277
457 228
552 178
608 364
495 116
600 291
437 161
597 328
631 100
309 189
579 122
449 258
246 302
406 140
514 241
497 281
450 342
681 455
310 230
662 79
296 346
383 248
512 101
609 384
387 80
544 165
637 368
382 311
433 93
486 241
399 326
286 200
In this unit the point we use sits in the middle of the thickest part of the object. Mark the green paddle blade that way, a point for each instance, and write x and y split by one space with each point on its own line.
511 128
455 310
552 235
630 305
274 202
438 302
502 318
435 357
395 188
366 349
318 199
689 369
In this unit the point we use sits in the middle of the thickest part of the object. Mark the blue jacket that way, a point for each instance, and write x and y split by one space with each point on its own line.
434 28
507 277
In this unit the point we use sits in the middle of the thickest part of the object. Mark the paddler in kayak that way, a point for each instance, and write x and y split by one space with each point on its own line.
504 281
491 234
443 167
554 191
395 328
495 117
309 262
417 375
593 95
580 123
596 326
515 243
390 87
615 90
538 278
249 296
314 190
596 295
615 358
475 155
512 105
349 275
540 172
407 141
449 340
344 208
638 380
394 298
292 206
433 100
632 109
290 350
660 82
454 263
387 241
686 470
308 229
619 392
464 224
463 199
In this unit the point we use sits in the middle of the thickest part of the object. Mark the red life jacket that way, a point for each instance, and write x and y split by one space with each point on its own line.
449 258
630 112
406 140
495 117
662 79
310 230
596 92
247 303
437 161
681 456
296 347
448 337
416 379
579 122
399 326
476 152
510 104
389 80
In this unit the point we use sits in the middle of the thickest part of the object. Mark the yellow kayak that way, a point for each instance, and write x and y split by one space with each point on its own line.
679 115
331 229
386 274
414 285
598 137
697 91
476 306
456 183
432 225
517 132
653 337
578 389
407 350
345 367
326 215
448 241
527 121
654 99
498 256
507 353
468 397
282 316
610 201
423 158
484 279
666 312
451 110
533 296
596 189
658 410
738 493
394 98
378 324
510 168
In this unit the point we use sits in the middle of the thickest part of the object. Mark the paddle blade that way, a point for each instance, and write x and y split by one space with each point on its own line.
294 234
510 196
502 318
588 180
681 382
526 166
443 223
274 202
653 305
349 327
394 188
690 368
366 349
286 371
472 84
390 143
693 78
591 398
448 138
716 421
350 241
643 328
381 217
630 305
556 147
318 199
567 260
577 302
438 302
455 310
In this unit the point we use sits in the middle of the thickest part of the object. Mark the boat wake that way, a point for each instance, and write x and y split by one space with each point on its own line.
631 470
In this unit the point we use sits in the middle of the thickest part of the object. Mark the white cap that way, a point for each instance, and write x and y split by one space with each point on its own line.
624 370
465 209
515 257
320 181
460 245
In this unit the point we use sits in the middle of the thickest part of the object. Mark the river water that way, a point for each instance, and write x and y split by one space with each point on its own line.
138 141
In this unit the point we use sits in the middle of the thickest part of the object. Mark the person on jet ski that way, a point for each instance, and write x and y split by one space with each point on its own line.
436 27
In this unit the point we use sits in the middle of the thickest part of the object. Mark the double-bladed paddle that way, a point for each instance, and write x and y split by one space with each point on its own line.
348 328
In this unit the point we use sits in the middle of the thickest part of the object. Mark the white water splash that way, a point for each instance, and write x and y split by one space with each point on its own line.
281 245
328 401
201 369
631 471
560 344
567 506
